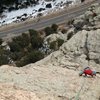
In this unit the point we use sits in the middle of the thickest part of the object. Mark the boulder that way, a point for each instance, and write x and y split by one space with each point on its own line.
54 37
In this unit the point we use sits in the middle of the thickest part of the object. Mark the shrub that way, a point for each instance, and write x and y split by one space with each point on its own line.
54 27
56 44
35 56
16 55
1 11
32 57
8 2
21 63
41 9
25 40
49 5
14 47
11 9
69 36
48 31
29 48
19 42
3 59
27 3
53 45
33 32
1 41
60 42
64 31
36 42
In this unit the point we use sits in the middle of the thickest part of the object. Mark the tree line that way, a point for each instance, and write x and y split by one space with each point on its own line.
25 49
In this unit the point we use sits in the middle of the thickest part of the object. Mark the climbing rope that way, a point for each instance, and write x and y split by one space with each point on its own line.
78 94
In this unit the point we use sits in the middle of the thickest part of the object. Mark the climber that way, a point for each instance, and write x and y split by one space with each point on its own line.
87 71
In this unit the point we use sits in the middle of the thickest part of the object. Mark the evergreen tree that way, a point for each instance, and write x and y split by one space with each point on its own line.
54 27
48 31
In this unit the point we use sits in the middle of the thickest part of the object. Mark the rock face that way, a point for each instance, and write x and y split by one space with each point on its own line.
11 92
84 46
48 82
90 20
56 76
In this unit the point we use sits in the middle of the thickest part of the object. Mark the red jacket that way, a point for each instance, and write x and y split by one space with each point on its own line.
88 72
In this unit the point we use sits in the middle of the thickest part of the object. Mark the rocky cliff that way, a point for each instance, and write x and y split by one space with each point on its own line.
56 76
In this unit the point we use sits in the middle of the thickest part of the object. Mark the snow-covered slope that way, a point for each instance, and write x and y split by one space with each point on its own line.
33 11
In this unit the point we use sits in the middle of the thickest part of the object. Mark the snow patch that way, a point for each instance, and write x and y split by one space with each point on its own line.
32 12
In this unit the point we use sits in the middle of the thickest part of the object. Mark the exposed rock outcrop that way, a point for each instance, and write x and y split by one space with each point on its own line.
84 46
54 37
90 20
48 82
11 92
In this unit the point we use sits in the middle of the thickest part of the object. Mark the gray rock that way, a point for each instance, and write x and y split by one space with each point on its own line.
78 23
84 47
54 37
88 14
